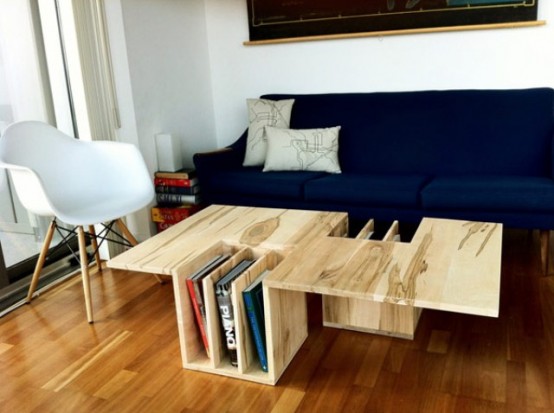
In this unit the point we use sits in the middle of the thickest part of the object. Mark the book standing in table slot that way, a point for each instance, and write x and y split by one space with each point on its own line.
225 304
254 303
177 197
196 293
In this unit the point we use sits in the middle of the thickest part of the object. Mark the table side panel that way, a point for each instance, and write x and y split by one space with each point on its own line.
286 321
370 316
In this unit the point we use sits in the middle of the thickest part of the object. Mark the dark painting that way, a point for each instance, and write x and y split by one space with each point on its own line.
275 19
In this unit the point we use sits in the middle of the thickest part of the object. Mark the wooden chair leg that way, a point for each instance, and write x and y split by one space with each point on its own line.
84 272
125 231
41 259
94 244
545 250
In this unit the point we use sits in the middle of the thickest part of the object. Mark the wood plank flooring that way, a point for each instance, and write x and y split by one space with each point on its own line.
52 360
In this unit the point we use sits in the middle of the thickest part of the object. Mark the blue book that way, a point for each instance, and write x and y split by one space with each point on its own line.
254 303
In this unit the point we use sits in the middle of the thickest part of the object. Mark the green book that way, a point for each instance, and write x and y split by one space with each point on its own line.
253 297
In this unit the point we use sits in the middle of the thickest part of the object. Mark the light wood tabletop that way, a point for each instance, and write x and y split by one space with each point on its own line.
378 286
448 265
264 228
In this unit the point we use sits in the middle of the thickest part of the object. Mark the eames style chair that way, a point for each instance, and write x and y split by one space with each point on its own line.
79 183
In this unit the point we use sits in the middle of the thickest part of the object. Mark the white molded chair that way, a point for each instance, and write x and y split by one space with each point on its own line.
76 182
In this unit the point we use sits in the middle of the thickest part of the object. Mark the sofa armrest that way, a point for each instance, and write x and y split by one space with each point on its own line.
552 156
221 159
227 158
216 152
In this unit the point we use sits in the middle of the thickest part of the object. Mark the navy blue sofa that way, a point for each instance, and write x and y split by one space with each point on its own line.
465 154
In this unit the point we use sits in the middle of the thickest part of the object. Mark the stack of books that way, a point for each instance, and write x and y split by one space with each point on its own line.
177 197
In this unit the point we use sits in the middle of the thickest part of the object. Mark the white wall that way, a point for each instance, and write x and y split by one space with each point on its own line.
507 58
162 78
169 71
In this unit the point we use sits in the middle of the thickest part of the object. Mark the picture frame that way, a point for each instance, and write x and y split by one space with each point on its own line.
297 19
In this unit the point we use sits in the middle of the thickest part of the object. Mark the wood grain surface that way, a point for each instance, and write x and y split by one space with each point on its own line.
448 265
171 250
261 234
128 360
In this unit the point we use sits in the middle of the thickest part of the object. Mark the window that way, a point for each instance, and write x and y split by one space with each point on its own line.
55 67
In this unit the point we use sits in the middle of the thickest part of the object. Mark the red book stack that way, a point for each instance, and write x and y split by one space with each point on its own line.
177 197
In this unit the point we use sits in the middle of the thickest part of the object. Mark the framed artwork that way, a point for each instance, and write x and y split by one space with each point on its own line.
279 19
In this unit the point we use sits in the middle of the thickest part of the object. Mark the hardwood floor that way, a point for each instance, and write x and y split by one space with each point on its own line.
52 360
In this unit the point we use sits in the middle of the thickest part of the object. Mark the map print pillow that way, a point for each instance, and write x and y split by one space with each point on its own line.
262 113
302 149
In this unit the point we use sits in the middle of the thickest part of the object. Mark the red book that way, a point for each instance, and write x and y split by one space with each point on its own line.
172 215
161 226
175 182
193 291
194 286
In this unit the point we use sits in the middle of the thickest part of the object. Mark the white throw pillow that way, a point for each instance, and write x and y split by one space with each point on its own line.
262 113
302 149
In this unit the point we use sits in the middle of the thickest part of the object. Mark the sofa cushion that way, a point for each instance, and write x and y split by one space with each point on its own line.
489 193
362 189
302 149
252 182
262 113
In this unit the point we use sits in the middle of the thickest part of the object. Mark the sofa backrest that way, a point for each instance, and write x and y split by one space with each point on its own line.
498 132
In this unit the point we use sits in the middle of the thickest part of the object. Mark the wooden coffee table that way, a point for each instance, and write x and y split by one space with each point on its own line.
367 285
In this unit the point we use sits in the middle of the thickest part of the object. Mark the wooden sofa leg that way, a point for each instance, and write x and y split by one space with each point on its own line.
545 249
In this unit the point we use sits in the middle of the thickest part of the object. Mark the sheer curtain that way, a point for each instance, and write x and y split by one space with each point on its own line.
87 51
96 66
